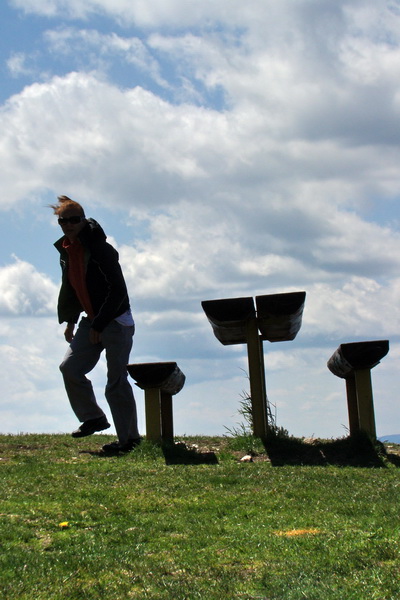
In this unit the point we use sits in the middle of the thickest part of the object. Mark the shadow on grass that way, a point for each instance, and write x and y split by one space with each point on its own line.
182 454
355 451
178 453
393 458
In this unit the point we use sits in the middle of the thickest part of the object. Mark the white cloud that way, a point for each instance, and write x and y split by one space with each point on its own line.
145 14
17 64
24 291
100 50
82 125
321 18
289 182
287 124
361 308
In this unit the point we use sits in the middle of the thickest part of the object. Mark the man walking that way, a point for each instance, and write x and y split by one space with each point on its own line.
92 282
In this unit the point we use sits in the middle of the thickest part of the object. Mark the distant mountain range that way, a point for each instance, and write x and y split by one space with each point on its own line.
392 439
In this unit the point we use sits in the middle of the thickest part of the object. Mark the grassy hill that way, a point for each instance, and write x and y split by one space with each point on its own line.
316 520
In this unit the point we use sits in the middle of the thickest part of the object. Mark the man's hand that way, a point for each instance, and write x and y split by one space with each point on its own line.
94 336
69 332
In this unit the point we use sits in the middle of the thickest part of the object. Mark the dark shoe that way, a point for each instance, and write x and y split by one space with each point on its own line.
90 427
116 447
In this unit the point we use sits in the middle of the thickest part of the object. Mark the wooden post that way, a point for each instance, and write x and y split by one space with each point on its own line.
257 380
152 399
365 402
160 381
167 424
353 362
352 405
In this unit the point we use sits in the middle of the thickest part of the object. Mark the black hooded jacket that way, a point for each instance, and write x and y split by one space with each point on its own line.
104 280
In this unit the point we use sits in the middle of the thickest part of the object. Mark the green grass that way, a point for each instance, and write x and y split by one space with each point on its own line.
196 523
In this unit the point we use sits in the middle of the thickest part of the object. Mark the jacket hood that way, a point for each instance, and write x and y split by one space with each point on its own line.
92 233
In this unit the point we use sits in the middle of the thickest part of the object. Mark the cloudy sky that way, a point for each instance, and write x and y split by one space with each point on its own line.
229 149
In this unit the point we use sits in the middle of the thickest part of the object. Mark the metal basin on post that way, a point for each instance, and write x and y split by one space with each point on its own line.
160 381
229 318
279 316
353 362
235 321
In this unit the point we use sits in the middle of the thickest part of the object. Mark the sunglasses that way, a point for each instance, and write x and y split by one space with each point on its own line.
72 220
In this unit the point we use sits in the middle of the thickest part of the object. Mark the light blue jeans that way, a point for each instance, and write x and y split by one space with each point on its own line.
82 356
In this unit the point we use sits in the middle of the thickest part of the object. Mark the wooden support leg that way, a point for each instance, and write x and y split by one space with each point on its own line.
365 401
167 424
352 406
257 380
152 399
